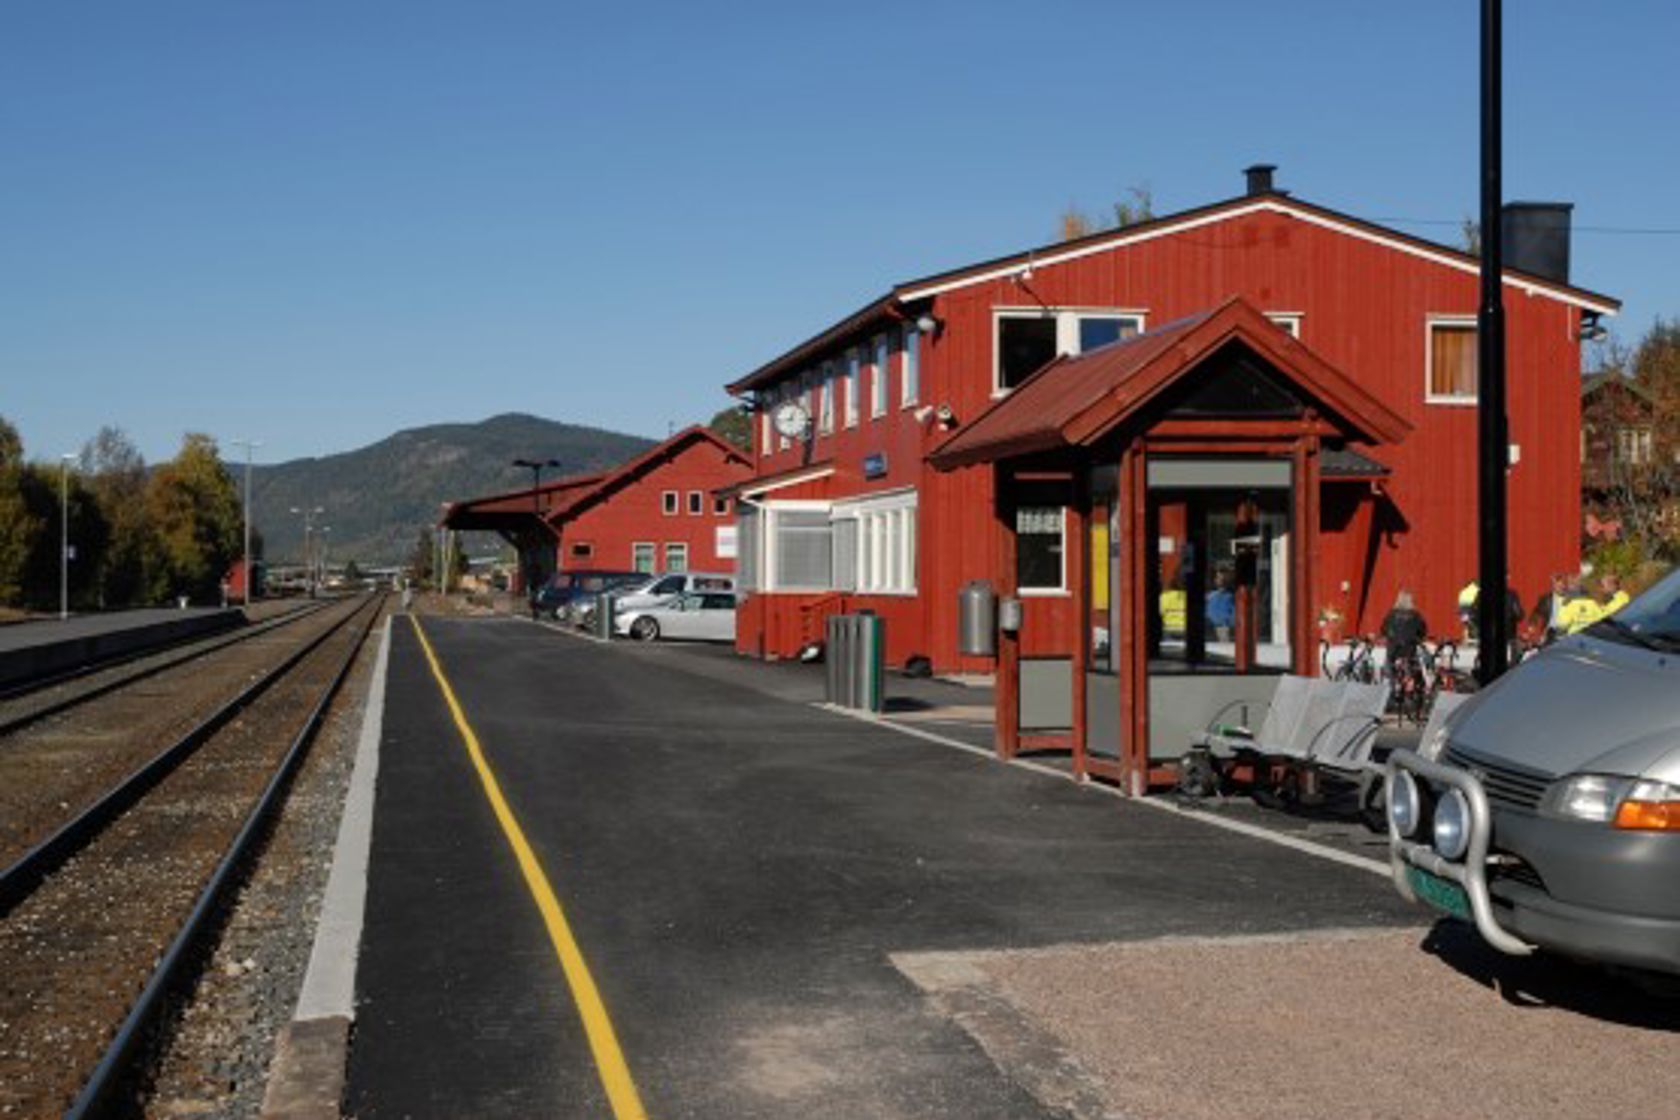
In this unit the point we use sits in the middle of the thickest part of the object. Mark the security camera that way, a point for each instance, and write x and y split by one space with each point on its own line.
946 418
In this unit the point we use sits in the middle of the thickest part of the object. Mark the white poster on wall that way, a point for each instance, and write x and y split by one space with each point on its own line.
726 542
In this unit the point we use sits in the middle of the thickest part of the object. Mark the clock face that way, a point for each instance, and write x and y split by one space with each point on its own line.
791 419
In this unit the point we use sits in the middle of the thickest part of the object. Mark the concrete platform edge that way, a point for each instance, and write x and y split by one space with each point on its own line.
306 1078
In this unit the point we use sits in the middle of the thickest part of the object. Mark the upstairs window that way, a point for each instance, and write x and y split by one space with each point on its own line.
1452 361
878 383
668 502
825 409
1029 338
910 367
720 507
696 502
854 372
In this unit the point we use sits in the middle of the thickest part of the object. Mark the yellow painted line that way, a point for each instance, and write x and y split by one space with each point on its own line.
609 1059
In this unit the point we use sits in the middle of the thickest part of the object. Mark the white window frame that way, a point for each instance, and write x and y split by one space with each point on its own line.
886 541
910 367
653 554
720 507
696 503
1061 589
1290 321
854 374
670 502
768 577
881 362
1067 329
673 548
825 409
1430 322
767 435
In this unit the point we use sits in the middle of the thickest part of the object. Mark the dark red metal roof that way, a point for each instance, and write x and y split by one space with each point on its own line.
1075 400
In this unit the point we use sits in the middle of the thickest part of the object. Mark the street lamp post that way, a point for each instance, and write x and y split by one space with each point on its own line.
64 534
308 516
321 555
249 446
532 570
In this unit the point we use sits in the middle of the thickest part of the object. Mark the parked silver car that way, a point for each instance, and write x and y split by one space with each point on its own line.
1546 810
704 616
658 591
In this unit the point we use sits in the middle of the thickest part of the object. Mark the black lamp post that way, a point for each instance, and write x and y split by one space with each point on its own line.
1493 438
535 466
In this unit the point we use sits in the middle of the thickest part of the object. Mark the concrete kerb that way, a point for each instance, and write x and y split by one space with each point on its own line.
306 1077
1294 843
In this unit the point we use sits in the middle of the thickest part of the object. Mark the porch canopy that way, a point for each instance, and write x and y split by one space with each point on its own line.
1209 400
523 518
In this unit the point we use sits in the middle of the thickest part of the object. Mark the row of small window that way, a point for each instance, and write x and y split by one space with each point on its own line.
830 392
671 502
644 555
1632 446
865 547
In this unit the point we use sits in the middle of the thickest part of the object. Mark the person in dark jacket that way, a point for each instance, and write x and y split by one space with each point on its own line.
1403 628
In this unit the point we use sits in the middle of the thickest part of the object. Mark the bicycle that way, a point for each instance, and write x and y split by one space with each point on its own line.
1360 664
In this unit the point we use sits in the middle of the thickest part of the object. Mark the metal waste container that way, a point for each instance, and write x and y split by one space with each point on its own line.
855 661
604 615
977 619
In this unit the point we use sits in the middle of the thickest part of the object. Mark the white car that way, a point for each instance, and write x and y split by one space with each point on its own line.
661 590
703 616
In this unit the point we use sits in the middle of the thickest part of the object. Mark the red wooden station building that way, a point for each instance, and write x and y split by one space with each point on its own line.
661 511
1261 401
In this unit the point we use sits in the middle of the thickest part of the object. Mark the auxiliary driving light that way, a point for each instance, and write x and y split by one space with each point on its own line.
1404 803
1452 825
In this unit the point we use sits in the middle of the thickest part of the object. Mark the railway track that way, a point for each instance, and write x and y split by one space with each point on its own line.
102 917
37 700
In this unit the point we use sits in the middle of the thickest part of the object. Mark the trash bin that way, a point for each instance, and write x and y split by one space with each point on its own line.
856 660
977 619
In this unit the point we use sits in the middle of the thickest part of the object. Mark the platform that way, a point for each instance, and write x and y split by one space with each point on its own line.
737 869
45 648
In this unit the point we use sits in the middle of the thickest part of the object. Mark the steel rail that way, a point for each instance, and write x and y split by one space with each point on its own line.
212 645
18 880
97 1095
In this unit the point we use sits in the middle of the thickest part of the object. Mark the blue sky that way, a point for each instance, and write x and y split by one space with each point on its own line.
313 223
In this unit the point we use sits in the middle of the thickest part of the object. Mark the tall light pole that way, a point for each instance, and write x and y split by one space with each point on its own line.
1493 438
321 554
249 445
308 515
64 462
533 569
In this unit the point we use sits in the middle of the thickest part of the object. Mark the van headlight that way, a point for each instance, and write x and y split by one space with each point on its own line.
1405 804
1452 825
1585 797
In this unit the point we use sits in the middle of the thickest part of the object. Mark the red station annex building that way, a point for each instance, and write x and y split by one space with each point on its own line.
662 511
1096 426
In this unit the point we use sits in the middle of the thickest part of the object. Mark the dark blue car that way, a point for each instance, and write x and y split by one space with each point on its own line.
565 588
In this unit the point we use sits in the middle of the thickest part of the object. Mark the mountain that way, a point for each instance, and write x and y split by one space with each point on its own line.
376 499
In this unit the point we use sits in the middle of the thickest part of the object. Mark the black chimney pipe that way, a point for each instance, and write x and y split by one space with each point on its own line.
1493 437
1260 178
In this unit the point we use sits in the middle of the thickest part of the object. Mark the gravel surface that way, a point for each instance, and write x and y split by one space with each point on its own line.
75 952
215 1059
1409 1024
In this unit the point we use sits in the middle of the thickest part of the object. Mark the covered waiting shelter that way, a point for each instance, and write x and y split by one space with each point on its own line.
1177 478
523 518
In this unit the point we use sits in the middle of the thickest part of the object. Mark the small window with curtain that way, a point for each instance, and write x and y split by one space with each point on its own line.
1038 549
676 556
1452 362
643 557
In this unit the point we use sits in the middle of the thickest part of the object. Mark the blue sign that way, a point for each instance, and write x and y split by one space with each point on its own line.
874 466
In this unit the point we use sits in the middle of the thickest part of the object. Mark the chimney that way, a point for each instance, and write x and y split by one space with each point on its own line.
1534 237
1260 178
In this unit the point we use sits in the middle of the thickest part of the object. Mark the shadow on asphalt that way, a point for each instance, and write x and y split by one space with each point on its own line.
1549 981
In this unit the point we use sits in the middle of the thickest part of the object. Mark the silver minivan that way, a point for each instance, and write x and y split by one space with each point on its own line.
1546 809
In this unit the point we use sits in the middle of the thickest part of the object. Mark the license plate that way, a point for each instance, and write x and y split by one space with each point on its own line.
1443 894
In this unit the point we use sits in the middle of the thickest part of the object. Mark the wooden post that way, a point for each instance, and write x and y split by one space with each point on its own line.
1302 552
1130 642
1007 710
1078 537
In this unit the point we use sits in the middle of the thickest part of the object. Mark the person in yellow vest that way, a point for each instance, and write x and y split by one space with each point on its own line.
1467 608
1614 597
1579 611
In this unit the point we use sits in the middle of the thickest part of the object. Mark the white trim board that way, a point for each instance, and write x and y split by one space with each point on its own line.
1271 205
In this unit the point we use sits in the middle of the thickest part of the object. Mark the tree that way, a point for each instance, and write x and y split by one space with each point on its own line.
1137 206
116 474
420 561
732 426
19 527
193 505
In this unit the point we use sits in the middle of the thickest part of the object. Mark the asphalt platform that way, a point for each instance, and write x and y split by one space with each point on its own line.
736 865
39 648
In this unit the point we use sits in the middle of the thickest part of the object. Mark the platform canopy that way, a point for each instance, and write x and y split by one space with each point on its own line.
1246 365
518 511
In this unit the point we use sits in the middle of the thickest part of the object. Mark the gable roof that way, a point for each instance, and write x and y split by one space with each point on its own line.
1076 400
892 307
496 511
627 472
1593 382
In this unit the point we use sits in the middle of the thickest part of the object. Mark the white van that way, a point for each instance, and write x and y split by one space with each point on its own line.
659 590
